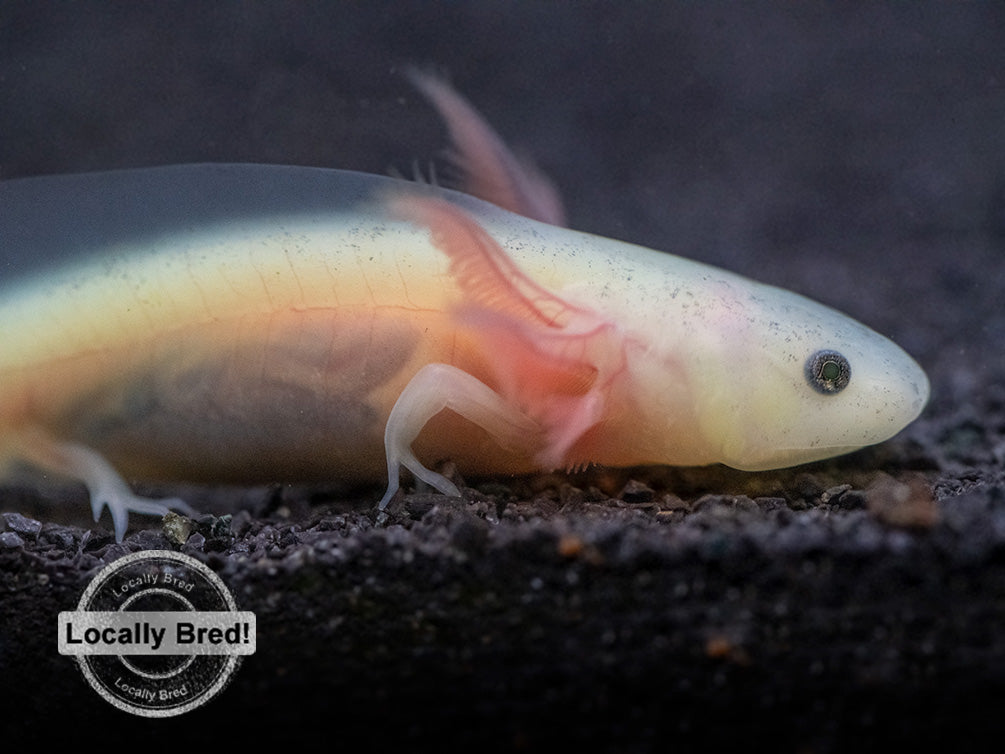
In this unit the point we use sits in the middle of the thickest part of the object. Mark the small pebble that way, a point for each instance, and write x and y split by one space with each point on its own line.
22 525
10 541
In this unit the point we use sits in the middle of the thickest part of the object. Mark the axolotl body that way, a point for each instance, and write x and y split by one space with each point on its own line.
250 322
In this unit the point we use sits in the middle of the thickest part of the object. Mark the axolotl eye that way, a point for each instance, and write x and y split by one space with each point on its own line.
828 372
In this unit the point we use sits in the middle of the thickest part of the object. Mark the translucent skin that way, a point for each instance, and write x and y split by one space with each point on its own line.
238 349
247 322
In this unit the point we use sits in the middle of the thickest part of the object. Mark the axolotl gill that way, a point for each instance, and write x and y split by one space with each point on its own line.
224 322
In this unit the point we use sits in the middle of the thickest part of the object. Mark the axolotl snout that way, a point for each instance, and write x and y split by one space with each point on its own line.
250 322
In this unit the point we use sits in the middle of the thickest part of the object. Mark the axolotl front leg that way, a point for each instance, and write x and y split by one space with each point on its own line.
553 364
532 333
436 387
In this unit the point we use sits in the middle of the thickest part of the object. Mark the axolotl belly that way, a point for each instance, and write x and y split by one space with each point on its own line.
249 322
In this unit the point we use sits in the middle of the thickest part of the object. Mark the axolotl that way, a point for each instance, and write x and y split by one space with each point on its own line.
229 322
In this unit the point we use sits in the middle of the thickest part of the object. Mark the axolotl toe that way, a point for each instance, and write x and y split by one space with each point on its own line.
253 322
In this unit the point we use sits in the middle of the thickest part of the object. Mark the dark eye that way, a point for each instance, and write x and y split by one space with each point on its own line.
828 372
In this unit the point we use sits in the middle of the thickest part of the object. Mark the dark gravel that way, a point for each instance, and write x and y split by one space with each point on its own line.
852 153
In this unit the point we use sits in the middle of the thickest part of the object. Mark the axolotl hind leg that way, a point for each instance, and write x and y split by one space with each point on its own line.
104 485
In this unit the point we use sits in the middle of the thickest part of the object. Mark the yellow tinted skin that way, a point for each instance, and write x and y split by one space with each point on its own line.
263 323
276 346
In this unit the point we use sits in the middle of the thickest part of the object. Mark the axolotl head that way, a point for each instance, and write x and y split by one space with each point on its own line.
782 380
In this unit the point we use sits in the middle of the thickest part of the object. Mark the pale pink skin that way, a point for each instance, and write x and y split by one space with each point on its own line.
587 351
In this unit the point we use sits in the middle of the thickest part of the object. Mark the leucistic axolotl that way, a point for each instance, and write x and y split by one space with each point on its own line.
248 323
